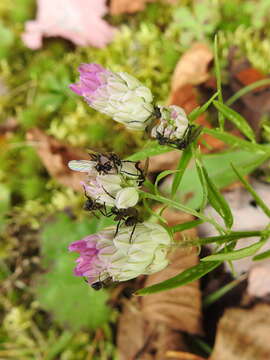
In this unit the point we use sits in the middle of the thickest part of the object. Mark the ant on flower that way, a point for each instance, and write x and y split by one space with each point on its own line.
190 135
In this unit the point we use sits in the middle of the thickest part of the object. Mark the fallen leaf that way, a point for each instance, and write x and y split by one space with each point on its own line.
256 102
162 162
243 334
142 333
182 356
79 21
139 339
259 280
55 156
193 67
126 6
118 7
179 308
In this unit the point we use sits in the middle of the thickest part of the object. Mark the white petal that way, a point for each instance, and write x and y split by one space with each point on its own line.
126 198
81 165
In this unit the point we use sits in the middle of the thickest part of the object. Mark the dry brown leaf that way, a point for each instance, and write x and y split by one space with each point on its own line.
179 308
118 7
243 334
193 67
182 356
143 340
166 161
255 103
55 156
127 6
259 280
191 70
142 334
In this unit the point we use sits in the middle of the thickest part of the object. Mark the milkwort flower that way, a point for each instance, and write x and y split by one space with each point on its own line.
116 94
173 128
116 185
104 256
173 123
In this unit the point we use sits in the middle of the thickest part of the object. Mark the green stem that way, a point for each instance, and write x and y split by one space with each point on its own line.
246 90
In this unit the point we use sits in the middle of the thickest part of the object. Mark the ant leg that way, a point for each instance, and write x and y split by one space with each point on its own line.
117 228
113 197
132 232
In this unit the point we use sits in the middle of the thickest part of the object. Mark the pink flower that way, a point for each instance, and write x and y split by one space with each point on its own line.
79 21
116 94
108 256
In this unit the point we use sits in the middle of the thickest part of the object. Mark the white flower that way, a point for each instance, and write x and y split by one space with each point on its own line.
120 258
116 94
173 123
112 190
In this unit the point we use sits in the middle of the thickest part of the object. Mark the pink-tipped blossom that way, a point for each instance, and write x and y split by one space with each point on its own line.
116 94
79 21
173 123
106 256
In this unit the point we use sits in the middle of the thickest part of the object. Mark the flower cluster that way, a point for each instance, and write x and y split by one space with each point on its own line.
111 186
106 256
109 180
132 247
129 102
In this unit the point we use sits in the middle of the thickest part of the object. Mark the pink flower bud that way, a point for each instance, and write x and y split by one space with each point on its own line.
116 94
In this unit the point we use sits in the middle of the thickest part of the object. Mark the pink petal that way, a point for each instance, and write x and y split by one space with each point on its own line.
79 21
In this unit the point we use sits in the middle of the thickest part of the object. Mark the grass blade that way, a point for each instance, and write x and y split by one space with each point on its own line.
182 165
236 119
219 86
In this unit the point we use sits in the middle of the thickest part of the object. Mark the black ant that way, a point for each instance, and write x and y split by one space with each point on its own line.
101 284
105 163
190 135
129 216
93 205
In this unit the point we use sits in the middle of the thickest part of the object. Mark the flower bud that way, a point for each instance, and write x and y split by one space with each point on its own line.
116 94
104 255
173 123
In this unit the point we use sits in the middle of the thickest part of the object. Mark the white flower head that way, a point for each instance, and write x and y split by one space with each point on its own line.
104 255
116 94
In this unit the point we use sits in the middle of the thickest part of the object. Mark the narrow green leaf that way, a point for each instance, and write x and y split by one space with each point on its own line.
203 183
194 114
219 169
186 225
161 176
216 295
151 150
219 85
236 119
182 165
262 256
217 200
185 277
236 141
246 90
233 236
253 193
237 254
